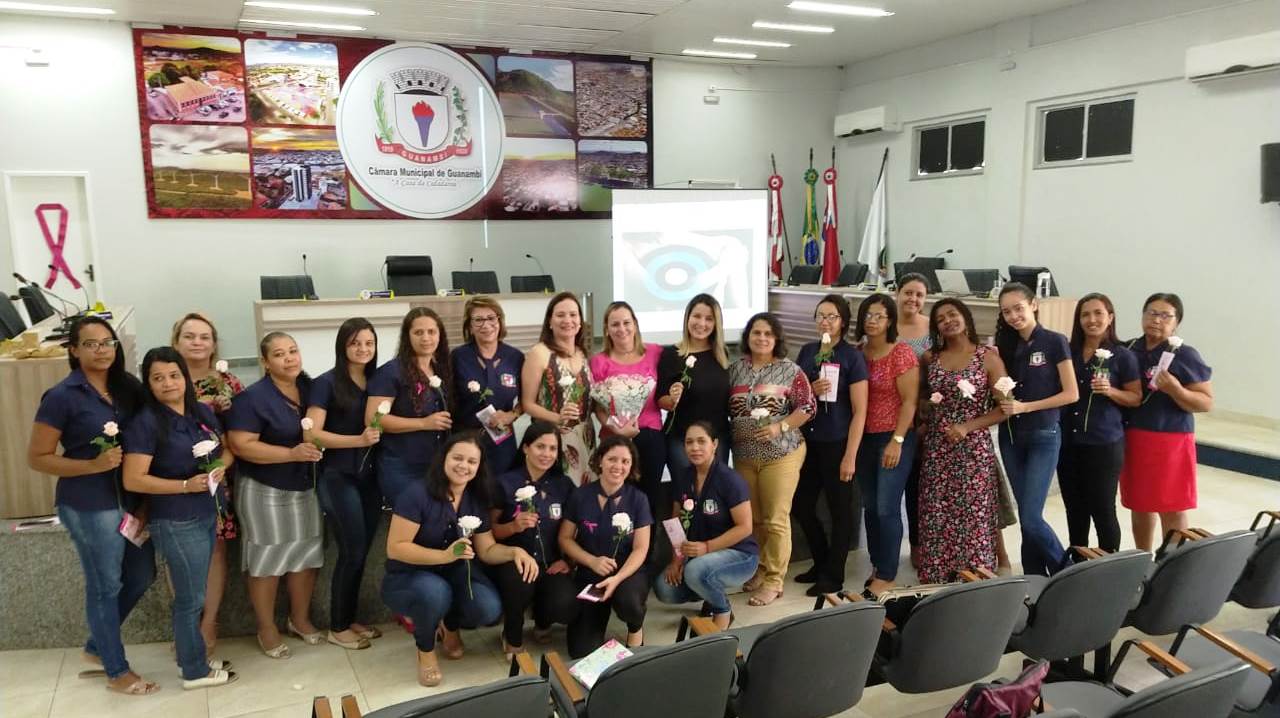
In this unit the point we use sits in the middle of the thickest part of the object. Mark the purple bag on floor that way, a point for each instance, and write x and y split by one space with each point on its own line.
1016 699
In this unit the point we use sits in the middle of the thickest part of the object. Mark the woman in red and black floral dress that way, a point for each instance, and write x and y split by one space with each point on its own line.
196 339
958 479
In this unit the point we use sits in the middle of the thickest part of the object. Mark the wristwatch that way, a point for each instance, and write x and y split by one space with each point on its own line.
785 426
899 439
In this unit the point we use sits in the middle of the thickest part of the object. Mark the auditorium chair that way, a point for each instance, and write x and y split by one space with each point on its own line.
690 679
1202 693
410 275
524 695
11 324
805 274
851 275
289 286
483 282
1190 579
808 665
1259 584
532 283
38 307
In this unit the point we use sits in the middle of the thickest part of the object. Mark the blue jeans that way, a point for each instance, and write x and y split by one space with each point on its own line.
436 593
707 577
678 461
187 547
1030 458
395 475
882 491
354 507
116 575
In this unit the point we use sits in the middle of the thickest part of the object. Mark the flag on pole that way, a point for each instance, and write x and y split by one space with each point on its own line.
830 238
776 232
809 240
875 237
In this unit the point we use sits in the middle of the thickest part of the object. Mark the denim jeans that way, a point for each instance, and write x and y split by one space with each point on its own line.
187 547
707 577
116 575
436 593
882 491
354 508
678 461
395 475
1030 458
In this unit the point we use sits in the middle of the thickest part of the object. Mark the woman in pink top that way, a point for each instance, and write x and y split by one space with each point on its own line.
888 442
624 377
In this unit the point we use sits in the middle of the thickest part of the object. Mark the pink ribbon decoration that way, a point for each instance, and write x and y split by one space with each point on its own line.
57 262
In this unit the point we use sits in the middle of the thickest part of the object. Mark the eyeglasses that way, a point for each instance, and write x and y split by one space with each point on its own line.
1160 316
481 321
94 345
826 317
876 317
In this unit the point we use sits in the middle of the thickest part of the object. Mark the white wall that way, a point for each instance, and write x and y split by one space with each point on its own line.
80 113
1183 216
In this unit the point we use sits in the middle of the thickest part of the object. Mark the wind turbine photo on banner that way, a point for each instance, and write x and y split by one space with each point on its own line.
875 237
830 235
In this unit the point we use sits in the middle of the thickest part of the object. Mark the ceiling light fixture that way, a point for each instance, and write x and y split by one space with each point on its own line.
754 43
789 27
329 9
721 53
310 25
41 7
838 9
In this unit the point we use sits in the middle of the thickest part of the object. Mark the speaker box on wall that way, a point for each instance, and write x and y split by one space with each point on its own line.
1271 172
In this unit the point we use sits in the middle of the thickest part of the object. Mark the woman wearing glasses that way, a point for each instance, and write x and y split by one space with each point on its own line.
1159 475
486 381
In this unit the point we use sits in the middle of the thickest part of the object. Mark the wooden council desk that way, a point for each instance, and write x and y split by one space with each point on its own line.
794 307
24 492
314 323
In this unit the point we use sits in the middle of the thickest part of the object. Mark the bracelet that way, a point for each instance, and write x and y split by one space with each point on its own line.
184 485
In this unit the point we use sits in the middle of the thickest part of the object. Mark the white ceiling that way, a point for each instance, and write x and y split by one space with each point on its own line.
637 27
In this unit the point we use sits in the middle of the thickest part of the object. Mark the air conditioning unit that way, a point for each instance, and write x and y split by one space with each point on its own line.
873 119
1231 58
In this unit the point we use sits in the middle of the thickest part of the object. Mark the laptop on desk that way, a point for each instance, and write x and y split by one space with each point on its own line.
953 282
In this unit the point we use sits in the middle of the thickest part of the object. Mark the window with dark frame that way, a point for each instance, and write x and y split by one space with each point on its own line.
951 149
1090 130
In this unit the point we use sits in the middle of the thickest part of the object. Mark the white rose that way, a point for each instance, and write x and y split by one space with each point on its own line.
966 388
1103 354
935 398
434 381
759 413
526 493
468 524
826 338
202 449
566 381
307 423
110 428
1175 342
687 505
622 522
1005 385
384 407
690 360
473 386
221 366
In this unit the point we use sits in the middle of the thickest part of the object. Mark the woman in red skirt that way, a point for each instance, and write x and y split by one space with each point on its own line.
1159 475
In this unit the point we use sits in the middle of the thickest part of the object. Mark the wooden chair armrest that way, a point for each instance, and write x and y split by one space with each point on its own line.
1186 534
1257 521
320 707
702 626
1236 649
1161 655
967 576
1200 532
350 708
522 664
986 573
571 687
887 626
835 599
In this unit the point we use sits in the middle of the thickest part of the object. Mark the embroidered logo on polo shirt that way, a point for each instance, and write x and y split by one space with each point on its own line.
554 511
1037 358
710 507
508 380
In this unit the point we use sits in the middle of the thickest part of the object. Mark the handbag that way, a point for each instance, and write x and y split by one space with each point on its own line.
1014 699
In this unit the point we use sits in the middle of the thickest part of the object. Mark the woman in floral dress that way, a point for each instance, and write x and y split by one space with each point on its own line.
958 479
556 383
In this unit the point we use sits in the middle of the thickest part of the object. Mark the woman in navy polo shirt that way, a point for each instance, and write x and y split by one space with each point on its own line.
1093 429
275 495
430 577
161 444
833 438
347 489
89 498
536 531
1159 475
1039 361
714 507
606 533
416 382
486 373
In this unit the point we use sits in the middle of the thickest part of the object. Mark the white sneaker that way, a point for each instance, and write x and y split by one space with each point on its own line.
216 677
214 665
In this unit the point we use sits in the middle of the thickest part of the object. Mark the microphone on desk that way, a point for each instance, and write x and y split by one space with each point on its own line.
37 288
945 251
307 274
541 269
83 290
471 264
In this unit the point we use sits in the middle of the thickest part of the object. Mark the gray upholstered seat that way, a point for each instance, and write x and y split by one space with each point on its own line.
1260 695
953 637
1189 584
518 697
1079 609
1259 584
1207 692
808 665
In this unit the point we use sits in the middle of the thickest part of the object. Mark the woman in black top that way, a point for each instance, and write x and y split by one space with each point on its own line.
697 391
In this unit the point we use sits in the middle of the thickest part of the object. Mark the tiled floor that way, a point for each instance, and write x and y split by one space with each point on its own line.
44 684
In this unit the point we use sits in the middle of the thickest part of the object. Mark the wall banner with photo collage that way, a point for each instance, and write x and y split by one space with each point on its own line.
242 125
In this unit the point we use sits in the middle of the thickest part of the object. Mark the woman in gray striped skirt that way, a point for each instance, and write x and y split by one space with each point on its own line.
276 494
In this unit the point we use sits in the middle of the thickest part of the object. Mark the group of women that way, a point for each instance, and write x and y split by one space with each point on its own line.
576 522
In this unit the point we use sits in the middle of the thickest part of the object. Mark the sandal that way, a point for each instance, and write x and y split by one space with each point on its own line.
280 650
311 639
429 676
214 665
140 687
95 672
359 644
216 677
369 633
754 584
764 597
639 633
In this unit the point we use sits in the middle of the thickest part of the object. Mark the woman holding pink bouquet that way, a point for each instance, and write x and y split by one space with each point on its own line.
1093 428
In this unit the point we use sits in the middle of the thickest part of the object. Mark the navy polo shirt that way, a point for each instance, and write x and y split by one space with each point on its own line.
172 459
1035 367
1158 411
596 534
261 409
345 420
554 489
1105 423
501 375
722 491
413 447
437 521
75 408
831 421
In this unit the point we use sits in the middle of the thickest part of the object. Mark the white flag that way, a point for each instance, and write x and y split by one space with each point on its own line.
875 236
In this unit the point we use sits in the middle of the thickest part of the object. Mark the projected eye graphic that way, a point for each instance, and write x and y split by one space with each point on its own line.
672 267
